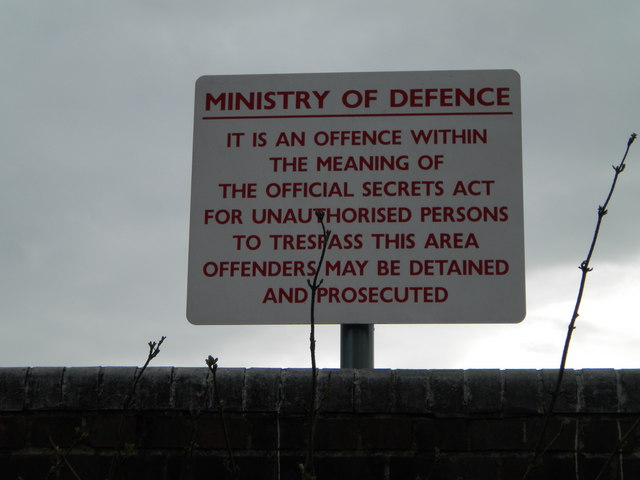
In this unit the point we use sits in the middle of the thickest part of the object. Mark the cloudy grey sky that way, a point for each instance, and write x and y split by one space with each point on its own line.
96 135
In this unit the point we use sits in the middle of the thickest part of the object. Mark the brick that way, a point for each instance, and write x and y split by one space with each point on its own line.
263 431
522 392
567 401
479 467
599 391
332 433
13 431
630 466
559 437
589 466
373 391
26 466
341 433
44 388
248 466
557 468
630 430
115 384
142 466
190 388
389 433
12 388
153 391
293 432
483 390
60 428
352 467
194 466
86 466
210 432
336 390
262 388
552 466
442 434
109 429
291 466
497 434
164 430
514 467
80 388
411 391
296 389
465 467
549 467
231 386
218 466
412 468
447 390
598 435
629 390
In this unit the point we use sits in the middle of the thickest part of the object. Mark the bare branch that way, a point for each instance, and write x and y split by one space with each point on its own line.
585 268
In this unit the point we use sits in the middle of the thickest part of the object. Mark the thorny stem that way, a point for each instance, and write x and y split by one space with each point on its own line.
584 267
314 285
212 363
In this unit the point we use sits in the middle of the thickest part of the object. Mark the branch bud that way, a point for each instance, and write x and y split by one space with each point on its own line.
212 363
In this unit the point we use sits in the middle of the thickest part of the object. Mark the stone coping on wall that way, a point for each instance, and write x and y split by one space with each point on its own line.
448 392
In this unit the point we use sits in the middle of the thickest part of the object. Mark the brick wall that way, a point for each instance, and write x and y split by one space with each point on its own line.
372 424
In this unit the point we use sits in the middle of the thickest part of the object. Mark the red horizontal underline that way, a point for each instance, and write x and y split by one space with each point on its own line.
351 115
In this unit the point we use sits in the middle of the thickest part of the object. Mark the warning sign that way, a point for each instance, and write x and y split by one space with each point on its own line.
419 176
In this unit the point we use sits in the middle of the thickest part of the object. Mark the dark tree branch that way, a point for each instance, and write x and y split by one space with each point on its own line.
585 269
212 364
309 468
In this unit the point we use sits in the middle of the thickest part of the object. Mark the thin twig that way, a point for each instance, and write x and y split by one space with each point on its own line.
585 268
154 350
309 467
212 363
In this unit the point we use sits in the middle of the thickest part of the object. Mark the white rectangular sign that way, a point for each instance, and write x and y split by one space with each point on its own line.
419 175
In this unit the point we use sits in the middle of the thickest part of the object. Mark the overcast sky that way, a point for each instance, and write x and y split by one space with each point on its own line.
96 117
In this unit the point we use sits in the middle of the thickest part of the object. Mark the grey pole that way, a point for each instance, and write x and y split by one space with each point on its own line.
356 345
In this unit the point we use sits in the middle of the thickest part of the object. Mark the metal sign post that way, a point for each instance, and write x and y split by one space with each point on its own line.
356 345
